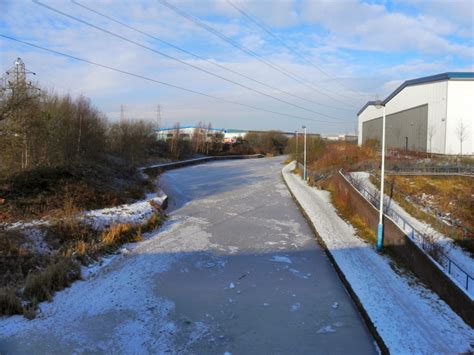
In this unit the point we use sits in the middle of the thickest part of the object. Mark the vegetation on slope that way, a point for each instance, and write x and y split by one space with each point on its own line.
30 276
444 202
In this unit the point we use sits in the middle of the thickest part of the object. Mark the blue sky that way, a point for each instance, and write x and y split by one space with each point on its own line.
363 48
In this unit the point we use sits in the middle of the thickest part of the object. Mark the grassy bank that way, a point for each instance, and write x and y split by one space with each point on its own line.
340 200
30 276
425 197
48 192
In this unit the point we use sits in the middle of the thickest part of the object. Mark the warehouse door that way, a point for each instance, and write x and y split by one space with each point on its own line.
406 129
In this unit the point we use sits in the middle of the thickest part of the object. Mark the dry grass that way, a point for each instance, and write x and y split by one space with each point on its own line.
80 241
51 192
60 194
32 278
9 302
340 200
155 221
442 195
16 261
41 286
119 234
363 228
342 155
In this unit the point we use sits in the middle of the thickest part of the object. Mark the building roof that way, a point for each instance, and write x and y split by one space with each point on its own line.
424 80
231 130
184 127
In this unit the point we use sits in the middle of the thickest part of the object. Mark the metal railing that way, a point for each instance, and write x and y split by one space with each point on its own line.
461 277
432 170
183 163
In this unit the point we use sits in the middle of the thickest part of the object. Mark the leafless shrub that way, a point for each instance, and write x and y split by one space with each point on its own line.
435 248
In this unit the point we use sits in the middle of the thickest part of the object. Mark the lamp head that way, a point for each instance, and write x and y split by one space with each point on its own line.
378 104
304 127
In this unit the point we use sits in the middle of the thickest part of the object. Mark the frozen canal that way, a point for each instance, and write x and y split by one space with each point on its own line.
236 269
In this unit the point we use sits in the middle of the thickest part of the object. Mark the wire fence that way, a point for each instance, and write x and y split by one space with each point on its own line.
425 242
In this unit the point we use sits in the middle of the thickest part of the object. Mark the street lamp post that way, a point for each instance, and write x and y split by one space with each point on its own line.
380 105
305 175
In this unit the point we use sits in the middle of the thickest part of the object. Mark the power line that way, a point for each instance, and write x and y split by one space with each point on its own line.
202 58
249 51
164 83
180 61
301 55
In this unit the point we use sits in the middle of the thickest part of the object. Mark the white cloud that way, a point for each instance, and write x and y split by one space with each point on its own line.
252 42
338 25
392 85
356 25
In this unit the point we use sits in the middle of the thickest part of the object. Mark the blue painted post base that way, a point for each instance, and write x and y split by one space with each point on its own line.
380 237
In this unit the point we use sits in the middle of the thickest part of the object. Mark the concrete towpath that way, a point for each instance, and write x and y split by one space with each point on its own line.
409 317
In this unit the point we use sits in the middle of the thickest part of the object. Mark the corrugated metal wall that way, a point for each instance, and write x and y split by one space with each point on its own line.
404 129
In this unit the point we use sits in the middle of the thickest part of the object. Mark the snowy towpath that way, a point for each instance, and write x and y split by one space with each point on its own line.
235 269
409 318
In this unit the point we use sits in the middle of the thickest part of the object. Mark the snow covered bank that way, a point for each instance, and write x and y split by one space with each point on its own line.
137 212
408 317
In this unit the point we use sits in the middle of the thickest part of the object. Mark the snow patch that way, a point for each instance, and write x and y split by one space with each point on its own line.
295 307
326 329
281 259
137 212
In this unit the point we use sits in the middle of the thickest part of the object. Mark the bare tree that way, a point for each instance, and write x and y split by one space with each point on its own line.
175 140
462 133
208 137
199 139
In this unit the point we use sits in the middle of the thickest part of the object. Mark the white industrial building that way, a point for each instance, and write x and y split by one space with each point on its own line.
431 114
187 133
